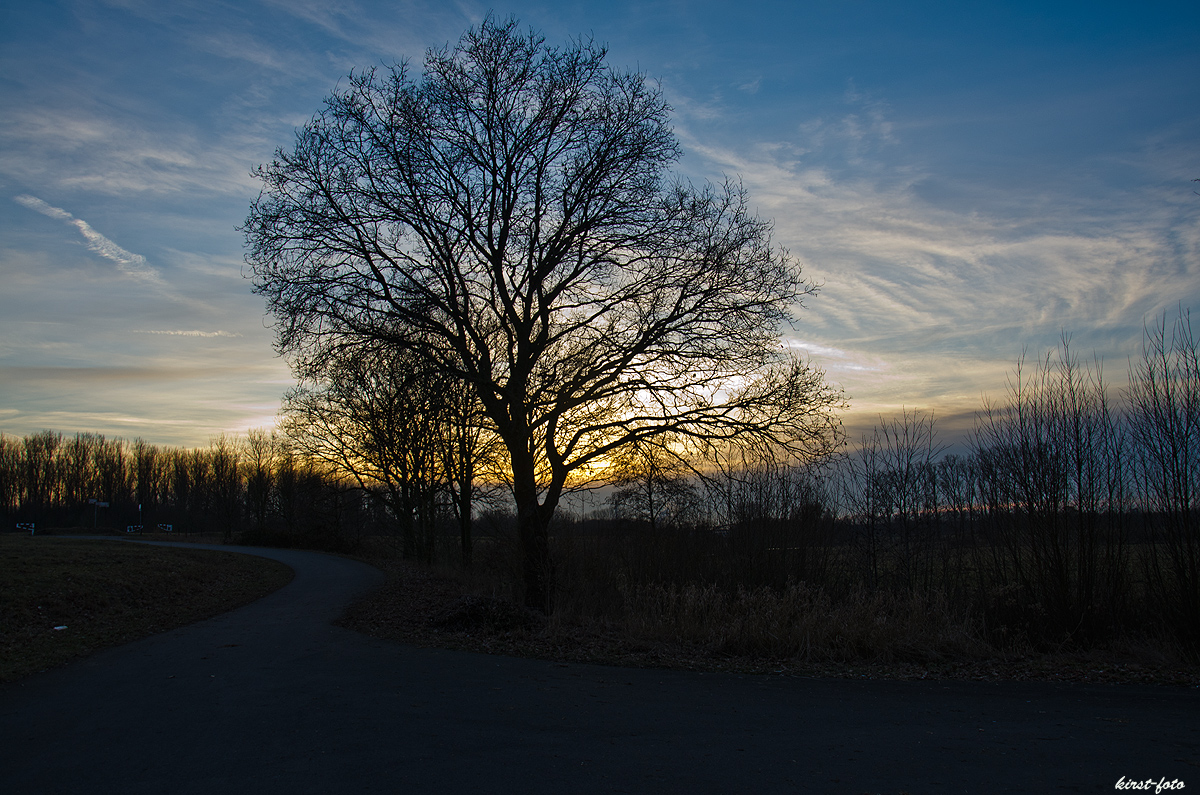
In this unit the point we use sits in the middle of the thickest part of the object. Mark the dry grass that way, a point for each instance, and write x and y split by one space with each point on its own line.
798 631
61 599
802 622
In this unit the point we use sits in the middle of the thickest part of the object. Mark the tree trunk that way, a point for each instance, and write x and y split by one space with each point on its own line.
408 532
464 520
536 564
533 523
465 466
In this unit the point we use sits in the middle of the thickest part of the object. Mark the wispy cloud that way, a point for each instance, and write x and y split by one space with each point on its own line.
192 333
898 269
241 45
131 264
69 142
398 29
330 17
832 359
926 298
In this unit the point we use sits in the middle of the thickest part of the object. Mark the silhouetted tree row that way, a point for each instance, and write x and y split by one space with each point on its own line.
411 437
255 489
1072 514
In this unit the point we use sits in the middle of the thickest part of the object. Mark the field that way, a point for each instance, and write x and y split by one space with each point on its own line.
104 593
797 630
62 599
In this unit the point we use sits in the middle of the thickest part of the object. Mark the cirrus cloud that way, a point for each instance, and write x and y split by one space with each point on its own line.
190 333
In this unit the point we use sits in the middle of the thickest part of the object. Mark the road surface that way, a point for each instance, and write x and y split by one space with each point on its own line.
272 698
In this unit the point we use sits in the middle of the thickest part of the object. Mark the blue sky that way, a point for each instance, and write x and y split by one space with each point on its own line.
966 181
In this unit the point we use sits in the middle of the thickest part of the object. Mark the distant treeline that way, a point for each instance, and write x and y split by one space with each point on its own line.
254 489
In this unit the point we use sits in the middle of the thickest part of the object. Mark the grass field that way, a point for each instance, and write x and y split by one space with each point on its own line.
61 599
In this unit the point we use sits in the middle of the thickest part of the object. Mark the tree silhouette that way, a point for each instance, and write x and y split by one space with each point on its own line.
509 218
404 433
653 486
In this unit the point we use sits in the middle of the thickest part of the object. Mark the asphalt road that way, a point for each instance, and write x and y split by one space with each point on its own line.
272 698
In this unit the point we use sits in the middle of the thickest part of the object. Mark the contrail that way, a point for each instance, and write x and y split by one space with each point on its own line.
131 264
34 203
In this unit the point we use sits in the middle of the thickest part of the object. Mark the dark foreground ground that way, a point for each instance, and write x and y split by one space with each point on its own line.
272 698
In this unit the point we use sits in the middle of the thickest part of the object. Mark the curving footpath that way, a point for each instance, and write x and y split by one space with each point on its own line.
272 698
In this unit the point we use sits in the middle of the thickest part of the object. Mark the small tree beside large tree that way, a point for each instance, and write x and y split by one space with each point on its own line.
509 218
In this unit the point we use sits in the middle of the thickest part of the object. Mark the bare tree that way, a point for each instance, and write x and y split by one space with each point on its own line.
653 486
11 476
1165 426
41 471
1057 455
903 451
113 472
77 461
469 449
226 483
890 490
260 451
510 219
403 432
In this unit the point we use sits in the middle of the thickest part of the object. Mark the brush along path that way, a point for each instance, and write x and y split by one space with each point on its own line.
64 598
273 698
797 632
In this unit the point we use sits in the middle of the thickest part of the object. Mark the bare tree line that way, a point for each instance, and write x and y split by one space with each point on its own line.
1071 517
411 437
254 488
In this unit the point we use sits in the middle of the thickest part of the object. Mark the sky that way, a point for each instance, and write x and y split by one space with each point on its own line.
965 181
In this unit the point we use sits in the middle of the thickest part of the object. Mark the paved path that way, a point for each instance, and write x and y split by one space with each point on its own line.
271 698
